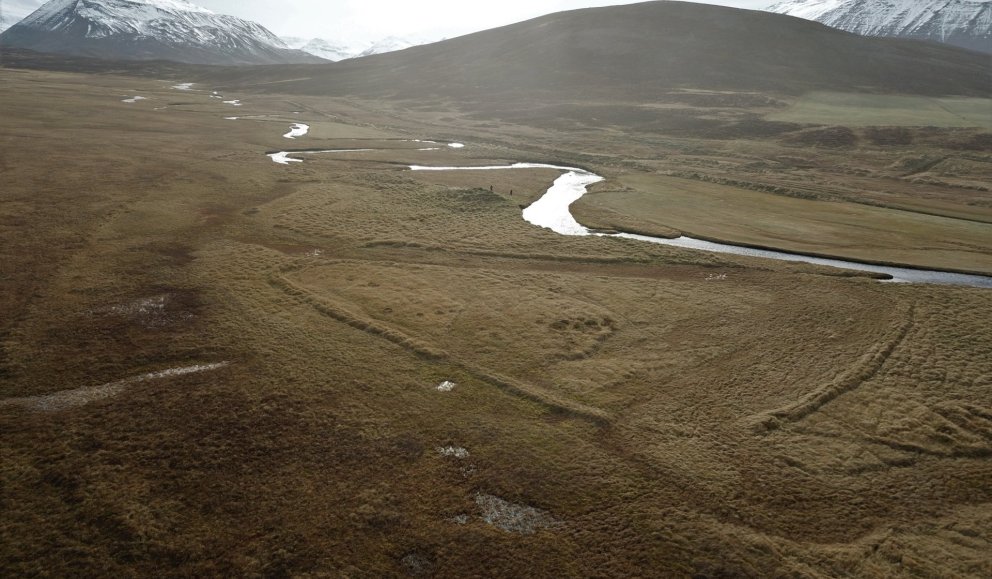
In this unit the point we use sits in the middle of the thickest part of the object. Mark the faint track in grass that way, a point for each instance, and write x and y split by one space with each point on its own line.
531 392
865 369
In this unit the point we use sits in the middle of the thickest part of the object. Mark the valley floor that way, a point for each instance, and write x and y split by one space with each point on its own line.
213 364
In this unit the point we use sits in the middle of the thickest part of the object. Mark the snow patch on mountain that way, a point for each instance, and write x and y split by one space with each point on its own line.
808 9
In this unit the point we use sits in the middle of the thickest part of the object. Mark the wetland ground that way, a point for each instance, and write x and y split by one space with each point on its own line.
615 409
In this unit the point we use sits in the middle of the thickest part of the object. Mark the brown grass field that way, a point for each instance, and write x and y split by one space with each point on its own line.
626 410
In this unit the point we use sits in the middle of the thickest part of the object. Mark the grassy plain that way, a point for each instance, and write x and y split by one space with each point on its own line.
867 110
658 203
674 413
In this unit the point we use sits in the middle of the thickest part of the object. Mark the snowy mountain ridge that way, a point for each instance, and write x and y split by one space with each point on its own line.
165 20
964 23
148 29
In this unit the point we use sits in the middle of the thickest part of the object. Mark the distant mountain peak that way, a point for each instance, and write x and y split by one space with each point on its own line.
964 23
336 51
148 29
389 44
326 49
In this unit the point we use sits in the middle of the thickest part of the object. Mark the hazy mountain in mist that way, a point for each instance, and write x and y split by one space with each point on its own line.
14 11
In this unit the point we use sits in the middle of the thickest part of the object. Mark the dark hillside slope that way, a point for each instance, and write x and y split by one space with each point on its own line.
632 51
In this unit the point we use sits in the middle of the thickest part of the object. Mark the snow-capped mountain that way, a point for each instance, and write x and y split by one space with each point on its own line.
337 51
322 48
148 29
389 44
964 23
328 50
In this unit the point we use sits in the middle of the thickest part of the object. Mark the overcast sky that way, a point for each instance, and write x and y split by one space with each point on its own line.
356 22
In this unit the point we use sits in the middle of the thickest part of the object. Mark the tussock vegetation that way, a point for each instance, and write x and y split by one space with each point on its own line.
607 391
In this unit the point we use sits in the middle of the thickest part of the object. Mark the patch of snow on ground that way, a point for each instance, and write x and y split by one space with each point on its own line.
134 99
514 518
453 451
297 130
234 103
184 86
81 396
446 386
456 145
231 118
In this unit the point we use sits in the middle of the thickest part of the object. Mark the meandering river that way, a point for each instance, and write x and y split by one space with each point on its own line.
552 212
